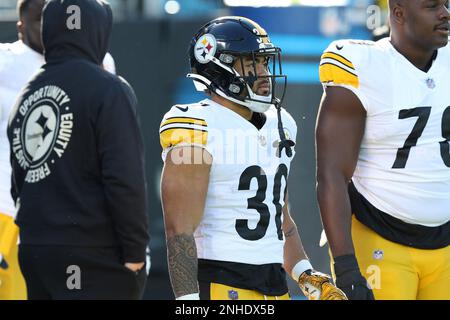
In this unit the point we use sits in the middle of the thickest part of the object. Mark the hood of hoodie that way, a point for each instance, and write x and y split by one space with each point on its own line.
76 29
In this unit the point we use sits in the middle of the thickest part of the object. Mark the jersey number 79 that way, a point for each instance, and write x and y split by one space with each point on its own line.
423 114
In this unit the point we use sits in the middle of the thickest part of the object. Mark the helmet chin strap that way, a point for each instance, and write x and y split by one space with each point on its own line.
284 143
262 103
261 107
202 83
258 103
254 106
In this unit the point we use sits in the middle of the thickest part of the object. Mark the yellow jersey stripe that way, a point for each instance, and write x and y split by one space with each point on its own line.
338 66
338 57
187 120
174 136
332 73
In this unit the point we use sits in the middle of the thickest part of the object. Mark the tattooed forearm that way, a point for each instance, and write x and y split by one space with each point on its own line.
290 232
183 265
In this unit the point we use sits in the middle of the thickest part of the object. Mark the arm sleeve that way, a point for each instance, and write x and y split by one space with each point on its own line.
340 65
121 152
179 129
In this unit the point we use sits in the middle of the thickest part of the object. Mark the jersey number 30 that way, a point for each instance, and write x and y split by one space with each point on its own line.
257 202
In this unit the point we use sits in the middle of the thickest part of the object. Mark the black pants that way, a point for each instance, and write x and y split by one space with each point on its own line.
56 272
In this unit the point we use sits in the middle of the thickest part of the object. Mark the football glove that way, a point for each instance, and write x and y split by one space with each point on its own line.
317 286
350 280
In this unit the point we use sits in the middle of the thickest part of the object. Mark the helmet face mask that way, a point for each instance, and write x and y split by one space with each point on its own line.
260 87
234 58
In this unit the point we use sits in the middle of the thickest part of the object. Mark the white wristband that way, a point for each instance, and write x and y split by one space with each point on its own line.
299 268
192 296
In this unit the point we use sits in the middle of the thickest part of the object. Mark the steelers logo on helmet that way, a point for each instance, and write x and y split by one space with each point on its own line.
205 48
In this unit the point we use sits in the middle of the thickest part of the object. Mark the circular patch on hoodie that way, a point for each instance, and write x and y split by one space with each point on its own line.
42 128
39 131
205 48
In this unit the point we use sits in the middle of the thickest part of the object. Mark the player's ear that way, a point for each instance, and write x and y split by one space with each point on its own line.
398 14
20 29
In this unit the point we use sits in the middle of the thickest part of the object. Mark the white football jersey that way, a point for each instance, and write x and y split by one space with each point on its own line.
403 167
18 63
243 212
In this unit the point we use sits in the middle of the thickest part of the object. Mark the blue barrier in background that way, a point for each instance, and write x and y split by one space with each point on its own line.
300 45
339 22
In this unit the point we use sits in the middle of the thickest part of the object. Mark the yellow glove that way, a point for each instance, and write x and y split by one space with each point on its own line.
317 286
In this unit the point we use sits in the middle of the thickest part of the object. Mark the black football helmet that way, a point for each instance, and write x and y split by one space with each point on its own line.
223 42
213 53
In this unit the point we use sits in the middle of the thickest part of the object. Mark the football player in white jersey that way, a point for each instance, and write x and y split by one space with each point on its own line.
224 183
383 158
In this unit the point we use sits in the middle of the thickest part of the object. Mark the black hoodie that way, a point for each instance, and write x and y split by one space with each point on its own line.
76 147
